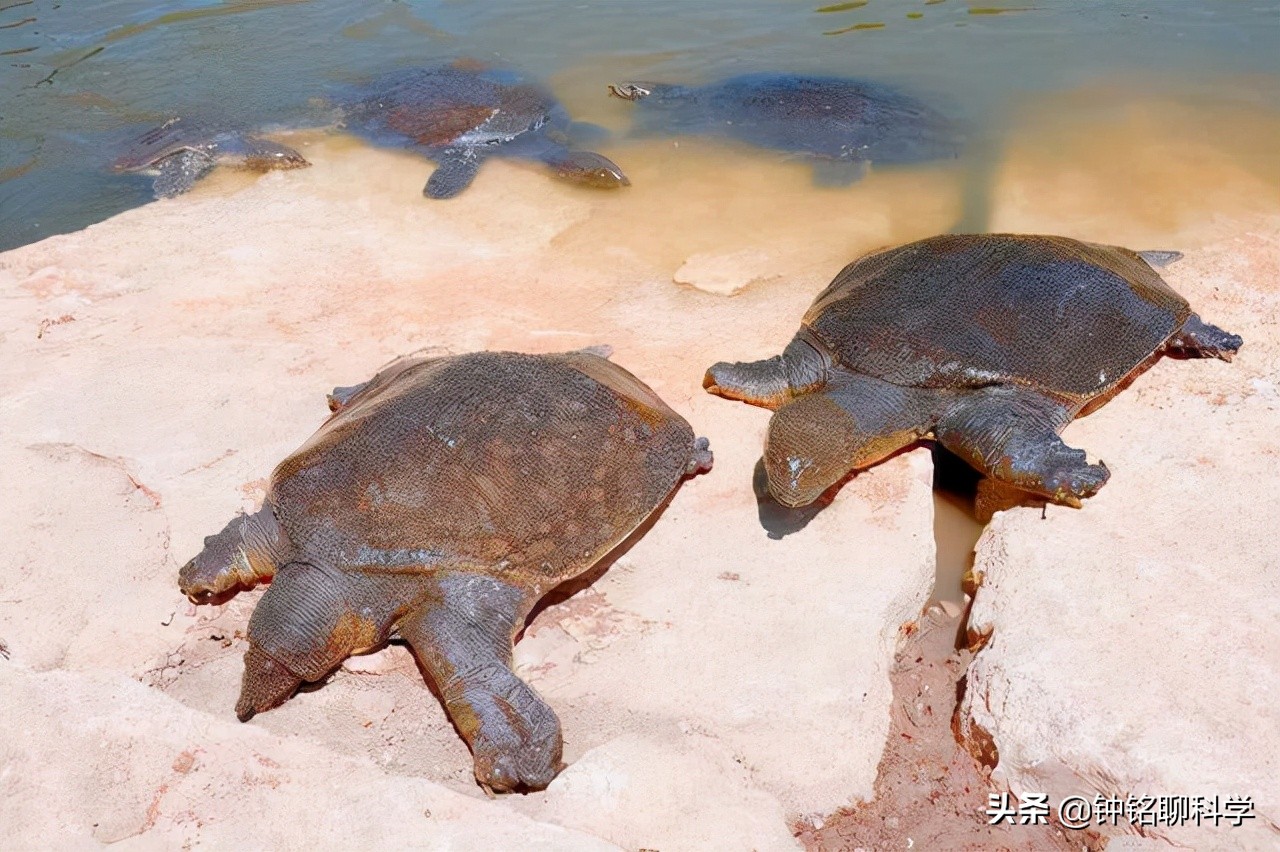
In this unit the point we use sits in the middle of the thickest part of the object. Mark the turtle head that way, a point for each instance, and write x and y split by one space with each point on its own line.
629 91
267 683
803 455
815 440
637 91
239 557
590 169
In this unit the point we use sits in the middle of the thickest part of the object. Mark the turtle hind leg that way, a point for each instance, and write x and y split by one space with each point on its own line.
455 170
1199 339
816 440
176 174
1011 434
463 637
772 382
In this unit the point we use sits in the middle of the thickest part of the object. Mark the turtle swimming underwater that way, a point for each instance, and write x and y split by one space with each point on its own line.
842 125
460 116
989 343
181 151
439 503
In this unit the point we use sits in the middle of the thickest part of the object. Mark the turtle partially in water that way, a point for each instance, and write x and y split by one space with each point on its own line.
460 115
989 343
439 503
181 151
841 125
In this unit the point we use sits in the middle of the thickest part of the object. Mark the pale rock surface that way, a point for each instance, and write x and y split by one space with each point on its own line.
1135 644
155 367
726 274
706 798
95 758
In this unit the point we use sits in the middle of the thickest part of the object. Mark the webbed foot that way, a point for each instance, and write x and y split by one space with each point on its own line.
455 172
1011 434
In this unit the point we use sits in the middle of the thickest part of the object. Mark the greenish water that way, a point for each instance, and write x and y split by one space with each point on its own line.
77 79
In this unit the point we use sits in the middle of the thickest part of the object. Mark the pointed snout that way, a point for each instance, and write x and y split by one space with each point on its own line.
200 586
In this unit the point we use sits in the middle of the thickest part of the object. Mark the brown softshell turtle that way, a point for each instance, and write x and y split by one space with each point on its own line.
182 150
439 503
840 125
462 114
990 343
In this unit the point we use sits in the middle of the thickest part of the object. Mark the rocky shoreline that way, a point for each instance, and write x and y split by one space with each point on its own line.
718 688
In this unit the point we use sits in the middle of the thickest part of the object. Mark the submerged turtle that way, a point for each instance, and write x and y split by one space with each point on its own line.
181 151
460 115
441 501
991 344
842 125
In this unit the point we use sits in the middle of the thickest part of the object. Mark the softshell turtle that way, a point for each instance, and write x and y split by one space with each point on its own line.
181 151
842 125
460 115
439 503
989 343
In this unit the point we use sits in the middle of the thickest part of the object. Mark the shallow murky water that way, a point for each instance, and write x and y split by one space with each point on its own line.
78 78
1139 118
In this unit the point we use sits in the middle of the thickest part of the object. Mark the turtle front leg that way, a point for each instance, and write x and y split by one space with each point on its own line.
1199 339
463 637
1011 434
179 172
816 440
772 382
456 168
300 630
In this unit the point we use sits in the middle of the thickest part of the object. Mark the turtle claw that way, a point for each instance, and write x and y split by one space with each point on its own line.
1070 486
505 772
514 750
